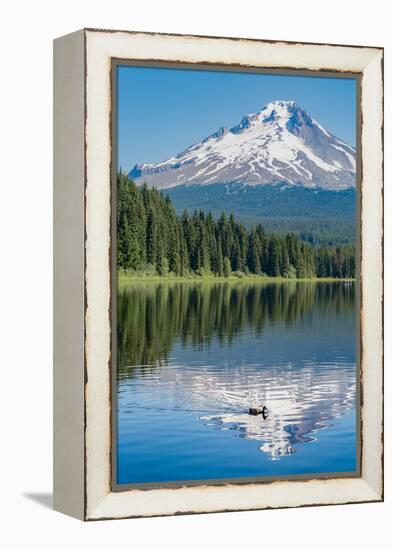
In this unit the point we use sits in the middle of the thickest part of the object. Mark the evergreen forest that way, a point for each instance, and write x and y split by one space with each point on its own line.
152 239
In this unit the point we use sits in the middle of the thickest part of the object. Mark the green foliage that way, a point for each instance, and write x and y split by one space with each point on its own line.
152 238
227 267
239 274
290 273
219 264
323 218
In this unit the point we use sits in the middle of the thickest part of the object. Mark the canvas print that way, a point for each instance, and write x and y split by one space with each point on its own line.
236 276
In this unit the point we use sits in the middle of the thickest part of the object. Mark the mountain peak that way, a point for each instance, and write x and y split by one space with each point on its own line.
281 107
279 143
279 111
285 113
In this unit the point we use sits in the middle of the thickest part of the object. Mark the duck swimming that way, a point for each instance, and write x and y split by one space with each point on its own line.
255 412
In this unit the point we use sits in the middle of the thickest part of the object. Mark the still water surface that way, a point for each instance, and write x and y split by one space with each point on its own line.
194 357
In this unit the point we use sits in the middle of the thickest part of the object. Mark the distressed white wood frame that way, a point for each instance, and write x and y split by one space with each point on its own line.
82 226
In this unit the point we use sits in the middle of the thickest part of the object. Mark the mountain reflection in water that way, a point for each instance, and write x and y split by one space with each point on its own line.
205 353
300 402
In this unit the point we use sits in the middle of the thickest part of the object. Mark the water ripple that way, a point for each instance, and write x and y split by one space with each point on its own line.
300 400
192 359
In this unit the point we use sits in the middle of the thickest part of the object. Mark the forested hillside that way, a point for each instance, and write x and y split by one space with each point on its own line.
321 217
152 238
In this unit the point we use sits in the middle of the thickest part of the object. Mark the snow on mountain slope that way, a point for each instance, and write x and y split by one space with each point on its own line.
280 143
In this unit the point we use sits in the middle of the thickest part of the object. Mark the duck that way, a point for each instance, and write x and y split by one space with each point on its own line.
253 411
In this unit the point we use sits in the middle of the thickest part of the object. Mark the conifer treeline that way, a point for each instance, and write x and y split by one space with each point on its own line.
152 237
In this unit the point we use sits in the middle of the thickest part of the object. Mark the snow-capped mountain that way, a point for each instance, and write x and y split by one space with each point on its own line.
280 143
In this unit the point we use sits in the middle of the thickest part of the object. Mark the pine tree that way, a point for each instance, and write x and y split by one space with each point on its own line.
241 244
220 260
175 262
227 267
203 249
285 265
274 257
151 238
184 265
254 253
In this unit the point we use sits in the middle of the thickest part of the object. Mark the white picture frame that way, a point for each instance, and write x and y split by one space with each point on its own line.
82 271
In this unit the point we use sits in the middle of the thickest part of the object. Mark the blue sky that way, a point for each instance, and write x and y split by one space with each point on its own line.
163 111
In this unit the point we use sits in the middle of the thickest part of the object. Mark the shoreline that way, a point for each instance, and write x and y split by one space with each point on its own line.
125 278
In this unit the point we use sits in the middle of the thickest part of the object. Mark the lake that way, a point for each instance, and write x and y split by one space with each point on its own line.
193 357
